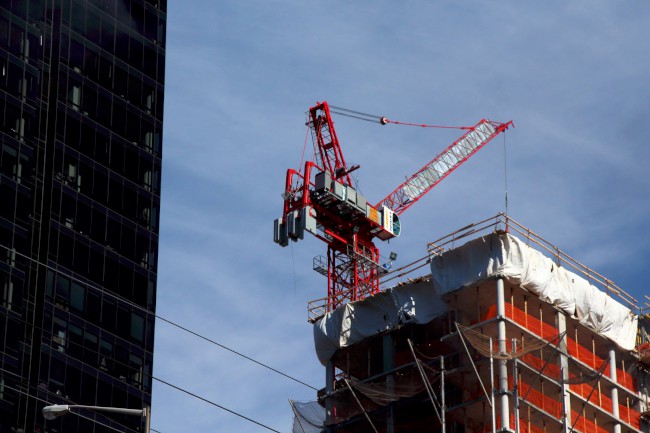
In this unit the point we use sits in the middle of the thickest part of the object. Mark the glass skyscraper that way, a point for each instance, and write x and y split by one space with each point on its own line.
81 110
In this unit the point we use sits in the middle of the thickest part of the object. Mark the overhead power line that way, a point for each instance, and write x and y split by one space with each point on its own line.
215 404
236 353
124 428
149 312
176 387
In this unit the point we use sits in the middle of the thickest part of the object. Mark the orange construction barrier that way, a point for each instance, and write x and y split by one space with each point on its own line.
548 333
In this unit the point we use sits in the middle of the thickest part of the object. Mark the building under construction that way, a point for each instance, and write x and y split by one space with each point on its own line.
506 333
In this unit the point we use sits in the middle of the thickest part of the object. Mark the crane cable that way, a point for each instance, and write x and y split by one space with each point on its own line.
505 172
304 148
384 121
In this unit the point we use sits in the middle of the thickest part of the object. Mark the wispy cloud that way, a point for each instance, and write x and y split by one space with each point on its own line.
240 76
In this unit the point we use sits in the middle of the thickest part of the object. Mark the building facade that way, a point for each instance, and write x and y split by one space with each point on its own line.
81 97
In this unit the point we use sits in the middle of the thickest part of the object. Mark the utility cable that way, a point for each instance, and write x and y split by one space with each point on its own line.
149 312
124 428
235 352
76 413
215 404
67 341
176 387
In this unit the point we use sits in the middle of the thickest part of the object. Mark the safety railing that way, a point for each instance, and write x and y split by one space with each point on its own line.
502 223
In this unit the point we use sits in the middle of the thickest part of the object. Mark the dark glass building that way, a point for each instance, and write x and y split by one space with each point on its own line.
81 110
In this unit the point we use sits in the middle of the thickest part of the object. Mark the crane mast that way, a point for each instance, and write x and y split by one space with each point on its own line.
322 201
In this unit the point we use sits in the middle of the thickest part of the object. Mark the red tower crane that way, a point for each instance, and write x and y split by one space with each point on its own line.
322 201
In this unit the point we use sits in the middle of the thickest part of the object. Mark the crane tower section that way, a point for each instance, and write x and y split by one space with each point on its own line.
321 200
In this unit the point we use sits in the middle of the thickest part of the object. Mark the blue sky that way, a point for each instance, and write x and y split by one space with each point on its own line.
573 76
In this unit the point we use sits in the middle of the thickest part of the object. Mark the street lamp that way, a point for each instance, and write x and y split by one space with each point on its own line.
53 411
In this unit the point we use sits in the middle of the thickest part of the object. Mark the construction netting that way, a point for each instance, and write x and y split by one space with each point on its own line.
548 333
532 424
644 352
309 417
529 424
369 396
542 356
503 349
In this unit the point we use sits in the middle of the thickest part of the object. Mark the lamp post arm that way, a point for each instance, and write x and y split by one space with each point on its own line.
55 410
140 412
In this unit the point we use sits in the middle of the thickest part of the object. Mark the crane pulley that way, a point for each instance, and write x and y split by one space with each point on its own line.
322 201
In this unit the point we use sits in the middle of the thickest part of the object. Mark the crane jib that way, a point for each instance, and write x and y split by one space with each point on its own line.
442 165
446 161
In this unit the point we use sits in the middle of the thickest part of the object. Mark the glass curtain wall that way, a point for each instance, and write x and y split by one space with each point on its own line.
81 109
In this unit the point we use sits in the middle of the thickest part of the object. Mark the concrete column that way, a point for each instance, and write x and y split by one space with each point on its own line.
502 363
329 387
389 354
564 366
614 393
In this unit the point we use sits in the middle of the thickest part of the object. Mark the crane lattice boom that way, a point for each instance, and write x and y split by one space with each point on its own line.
442 165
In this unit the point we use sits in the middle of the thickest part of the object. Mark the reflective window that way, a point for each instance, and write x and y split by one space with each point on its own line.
77 297
100 222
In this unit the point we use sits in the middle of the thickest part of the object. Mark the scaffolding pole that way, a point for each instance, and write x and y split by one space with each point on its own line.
478 376
427 385
515 391
443 407
614 392
295 412
359 403
494 415
593 388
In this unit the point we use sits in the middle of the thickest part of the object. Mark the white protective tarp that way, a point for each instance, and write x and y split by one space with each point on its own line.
508 257
309 417
491 256
411 303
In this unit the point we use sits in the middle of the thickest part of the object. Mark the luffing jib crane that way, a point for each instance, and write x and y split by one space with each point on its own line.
322 201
